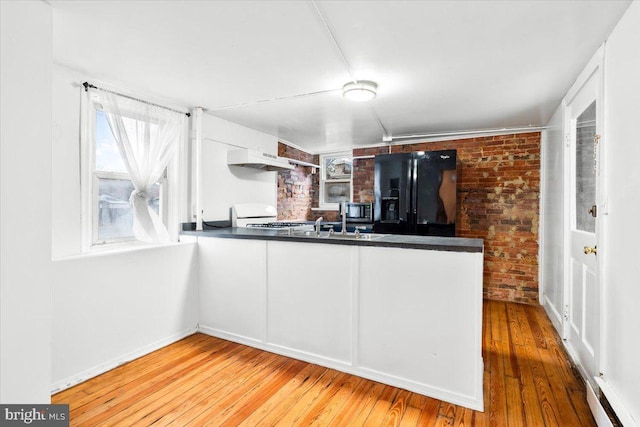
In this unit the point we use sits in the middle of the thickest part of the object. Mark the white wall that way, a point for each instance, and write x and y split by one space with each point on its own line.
552 232
108 309
621 269
621 280
112 307
25 227
65 158
223 185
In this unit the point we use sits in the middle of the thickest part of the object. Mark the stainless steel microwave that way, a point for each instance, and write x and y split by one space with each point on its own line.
358 212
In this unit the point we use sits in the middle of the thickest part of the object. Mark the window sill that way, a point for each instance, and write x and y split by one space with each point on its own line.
121 248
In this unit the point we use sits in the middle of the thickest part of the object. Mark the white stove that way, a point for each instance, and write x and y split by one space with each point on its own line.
258 215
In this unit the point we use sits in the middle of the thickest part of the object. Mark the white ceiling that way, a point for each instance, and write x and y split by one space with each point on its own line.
440 65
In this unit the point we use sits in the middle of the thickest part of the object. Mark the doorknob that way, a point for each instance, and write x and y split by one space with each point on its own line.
590 250
593 211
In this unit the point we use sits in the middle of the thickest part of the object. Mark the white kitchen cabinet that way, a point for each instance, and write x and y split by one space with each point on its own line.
233 287
420 317
411 318
309 298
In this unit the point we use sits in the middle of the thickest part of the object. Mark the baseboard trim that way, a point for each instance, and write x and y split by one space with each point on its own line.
598 412
472 402
553 315
101 369
620 410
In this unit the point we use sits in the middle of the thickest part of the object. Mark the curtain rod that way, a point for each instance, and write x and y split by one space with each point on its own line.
88 85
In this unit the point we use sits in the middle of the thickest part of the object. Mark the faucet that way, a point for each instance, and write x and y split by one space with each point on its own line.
318 226
358 228
344 217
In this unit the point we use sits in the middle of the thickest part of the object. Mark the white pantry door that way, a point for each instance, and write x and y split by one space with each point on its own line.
583 127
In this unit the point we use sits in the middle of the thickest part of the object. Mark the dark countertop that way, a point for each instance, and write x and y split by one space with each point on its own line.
454 244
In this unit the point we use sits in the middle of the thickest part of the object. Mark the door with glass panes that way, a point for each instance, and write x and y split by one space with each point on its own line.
582 288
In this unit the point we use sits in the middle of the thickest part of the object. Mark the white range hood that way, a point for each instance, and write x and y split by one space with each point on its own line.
257 159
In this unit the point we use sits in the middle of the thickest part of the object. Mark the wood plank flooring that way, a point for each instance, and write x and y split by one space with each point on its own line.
202 380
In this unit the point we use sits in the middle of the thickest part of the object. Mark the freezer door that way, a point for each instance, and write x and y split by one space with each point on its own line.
392 190
434 193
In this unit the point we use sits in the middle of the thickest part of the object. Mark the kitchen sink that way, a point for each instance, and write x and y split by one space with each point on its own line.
337 236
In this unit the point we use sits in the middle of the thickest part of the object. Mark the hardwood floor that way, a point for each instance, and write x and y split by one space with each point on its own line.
202 380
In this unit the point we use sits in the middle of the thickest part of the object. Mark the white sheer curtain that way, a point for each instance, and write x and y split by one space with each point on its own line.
147 137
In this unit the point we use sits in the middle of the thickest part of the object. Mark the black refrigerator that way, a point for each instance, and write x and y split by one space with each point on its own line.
415 193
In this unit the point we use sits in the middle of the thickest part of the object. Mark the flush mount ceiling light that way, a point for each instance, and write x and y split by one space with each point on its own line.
360 91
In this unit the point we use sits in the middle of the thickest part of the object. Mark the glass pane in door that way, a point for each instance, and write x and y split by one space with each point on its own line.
586 169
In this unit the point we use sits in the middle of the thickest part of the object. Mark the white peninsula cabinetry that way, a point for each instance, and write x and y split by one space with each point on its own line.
410 318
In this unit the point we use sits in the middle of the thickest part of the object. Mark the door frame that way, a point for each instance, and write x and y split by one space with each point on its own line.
595 65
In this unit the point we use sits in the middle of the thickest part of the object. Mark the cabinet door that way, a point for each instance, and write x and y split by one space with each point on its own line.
309 298
233 286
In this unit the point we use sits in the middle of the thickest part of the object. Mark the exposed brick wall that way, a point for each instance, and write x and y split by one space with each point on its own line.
498 201
296 188
363 173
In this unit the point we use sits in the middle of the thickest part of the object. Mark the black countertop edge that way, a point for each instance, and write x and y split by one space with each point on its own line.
450 244
325 225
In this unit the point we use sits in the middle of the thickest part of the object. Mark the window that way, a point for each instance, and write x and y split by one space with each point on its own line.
112 187
335 179
129 169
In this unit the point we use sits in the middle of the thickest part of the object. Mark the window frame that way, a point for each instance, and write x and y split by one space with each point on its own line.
322 204
89 184
121 176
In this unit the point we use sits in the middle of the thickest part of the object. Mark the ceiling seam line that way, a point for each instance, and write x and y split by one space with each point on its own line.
375 114
282 98
346 63
335 42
